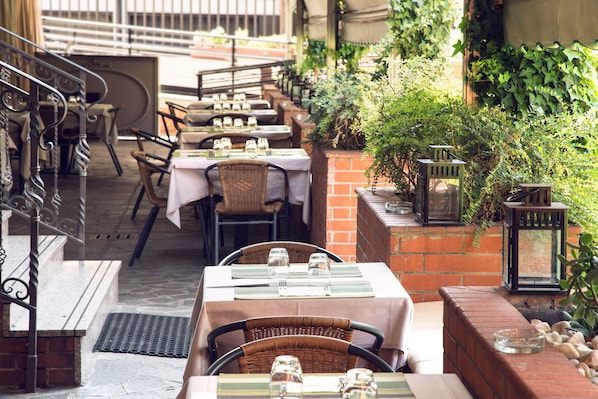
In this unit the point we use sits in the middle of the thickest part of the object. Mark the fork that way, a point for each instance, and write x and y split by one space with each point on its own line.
282 285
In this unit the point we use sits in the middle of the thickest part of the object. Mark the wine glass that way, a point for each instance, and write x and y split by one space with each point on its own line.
286 378
359 384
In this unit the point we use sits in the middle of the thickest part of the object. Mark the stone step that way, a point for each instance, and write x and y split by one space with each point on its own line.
73 298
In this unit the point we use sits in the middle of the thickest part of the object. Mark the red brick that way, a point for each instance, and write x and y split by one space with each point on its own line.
463 263
475 279
432 244
407 263
429 281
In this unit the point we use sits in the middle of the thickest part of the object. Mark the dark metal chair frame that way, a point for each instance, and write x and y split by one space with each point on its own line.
271 326
319 354
222 209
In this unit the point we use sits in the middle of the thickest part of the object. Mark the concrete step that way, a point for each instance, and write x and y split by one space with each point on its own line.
73 298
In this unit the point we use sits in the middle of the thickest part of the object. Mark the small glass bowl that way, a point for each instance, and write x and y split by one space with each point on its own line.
518 341
398 207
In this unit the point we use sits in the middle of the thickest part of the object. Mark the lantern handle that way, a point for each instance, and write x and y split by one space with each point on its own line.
521 194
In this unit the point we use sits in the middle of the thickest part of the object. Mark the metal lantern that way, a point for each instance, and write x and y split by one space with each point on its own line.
439 191
534 234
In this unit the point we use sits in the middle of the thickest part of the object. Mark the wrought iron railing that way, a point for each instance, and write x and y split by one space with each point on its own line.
26 82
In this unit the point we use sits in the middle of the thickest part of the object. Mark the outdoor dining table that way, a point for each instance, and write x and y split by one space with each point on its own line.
209 104
365 292
99 124
202 117
324 386
277 135
188 184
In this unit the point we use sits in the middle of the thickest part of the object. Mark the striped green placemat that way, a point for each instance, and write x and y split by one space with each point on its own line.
337 270
236 386
338 288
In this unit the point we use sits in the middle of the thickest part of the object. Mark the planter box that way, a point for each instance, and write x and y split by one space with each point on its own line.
426 258
336 175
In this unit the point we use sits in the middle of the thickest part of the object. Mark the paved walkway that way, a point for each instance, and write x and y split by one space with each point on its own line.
163 281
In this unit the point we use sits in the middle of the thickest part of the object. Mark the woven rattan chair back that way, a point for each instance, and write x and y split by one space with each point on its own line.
316 354
146 169
244 184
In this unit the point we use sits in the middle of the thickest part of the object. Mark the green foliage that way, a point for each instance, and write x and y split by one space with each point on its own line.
525 82
581 284
420 27
401 119
347 56
335 109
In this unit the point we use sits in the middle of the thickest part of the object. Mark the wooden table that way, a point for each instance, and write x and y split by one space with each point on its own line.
277 135
390 309
421 386
202 117
187 181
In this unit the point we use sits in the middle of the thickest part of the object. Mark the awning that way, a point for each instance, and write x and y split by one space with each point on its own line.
546 22
365 21
362 22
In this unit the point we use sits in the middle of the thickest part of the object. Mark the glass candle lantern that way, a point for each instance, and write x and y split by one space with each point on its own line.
439 191
534 234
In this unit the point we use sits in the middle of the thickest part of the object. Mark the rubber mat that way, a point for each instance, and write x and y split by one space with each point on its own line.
144 334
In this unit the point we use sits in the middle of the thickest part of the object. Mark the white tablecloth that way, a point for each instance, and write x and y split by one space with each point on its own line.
391 310
187 181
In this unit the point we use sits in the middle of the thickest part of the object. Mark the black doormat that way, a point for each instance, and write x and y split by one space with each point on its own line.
144 334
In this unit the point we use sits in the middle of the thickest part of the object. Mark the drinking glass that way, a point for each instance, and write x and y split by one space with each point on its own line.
286 378
236 97
251 148
215 98
246 107
278 262
359 384
217 123
226 106
318 269
236 107
223 97
218 107
217 147
242 97
262 144
227 121
238 122
252 121
226 143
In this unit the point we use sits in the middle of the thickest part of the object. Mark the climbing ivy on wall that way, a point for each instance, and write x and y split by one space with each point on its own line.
524 81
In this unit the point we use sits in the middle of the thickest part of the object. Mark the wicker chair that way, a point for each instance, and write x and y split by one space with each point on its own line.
265 327
244 184
171 143
316 354
146 169
258 253
237 139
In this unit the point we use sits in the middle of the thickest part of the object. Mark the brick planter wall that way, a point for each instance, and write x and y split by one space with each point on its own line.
425 258
299 130
471 315
336 175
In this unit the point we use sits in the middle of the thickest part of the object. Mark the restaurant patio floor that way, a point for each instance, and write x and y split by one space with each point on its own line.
162 282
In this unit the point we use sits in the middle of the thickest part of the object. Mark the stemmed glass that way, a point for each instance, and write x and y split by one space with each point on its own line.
286 378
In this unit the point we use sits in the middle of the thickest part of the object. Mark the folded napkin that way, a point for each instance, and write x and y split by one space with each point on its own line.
298 270
338 288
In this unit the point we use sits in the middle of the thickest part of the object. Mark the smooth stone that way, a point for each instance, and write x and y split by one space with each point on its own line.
591 359
562 327
568 350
